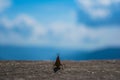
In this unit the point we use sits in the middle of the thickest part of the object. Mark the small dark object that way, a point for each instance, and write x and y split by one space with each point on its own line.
56 69
57 65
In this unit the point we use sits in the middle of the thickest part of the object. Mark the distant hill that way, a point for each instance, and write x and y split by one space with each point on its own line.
109 53
47 53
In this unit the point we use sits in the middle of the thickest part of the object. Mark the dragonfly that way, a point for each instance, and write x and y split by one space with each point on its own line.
57 65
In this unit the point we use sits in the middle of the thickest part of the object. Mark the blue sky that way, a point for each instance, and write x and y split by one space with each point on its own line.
72 24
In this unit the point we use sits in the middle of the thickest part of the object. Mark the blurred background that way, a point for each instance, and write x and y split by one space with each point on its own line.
76 29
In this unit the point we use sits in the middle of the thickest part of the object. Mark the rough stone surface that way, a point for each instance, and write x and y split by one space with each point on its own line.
43 70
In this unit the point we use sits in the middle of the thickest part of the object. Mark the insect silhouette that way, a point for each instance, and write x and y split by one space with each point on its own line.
57 65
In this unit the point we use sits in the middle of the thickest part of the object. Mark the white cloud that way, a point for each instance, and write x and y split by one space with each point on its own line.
22 21
83 36
4 4
59 34
97 8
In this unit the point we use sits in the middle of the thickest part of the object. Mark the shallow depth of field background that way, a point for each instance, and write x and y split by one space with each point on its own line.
76 29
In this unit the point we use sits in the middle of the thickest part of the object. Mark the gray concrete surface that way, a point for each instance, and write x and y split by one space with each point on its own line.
43 70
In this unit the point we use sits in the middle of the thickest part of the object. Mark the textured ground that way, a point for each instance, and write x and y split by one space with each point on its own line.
42 70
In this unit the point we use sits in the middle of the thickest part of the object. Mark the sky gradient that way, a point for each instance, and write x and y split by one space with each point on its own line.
71 24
